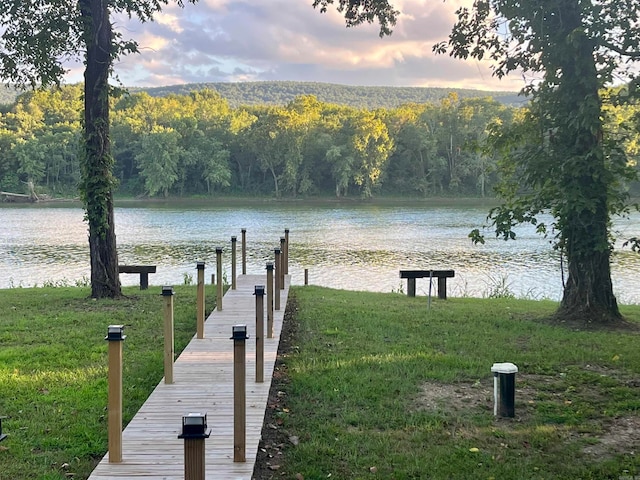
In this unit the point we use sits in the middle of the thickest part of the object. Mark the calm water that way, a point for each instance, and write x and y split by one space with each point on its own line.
350 247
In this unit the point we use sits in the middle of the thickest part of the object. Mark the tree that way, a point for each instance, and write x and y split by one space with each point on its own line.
563 158
306 111
275 139
30 155
369 148
37 37
239 145
413 162
459 127
41 132
158 160
560 158
210 158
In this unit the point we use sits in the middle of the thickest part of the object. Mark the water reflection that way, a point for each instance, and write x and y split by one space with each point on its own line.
358 247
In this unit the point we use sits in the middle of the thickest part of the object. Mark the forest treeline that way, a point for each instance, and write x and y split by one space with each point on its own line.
198 144
283 92
369 97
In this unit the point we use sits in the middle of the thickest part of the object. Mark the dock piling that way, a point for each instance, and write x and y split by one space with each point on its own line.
115 338
219 273
167 294
259 293
239 337
200 301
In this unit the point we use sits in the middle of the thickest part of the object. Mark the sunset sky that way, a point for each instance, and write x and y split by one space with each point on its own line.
255 40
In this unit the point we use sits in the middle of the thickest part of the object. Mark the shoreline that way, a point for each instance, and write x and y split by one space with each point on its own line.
270 201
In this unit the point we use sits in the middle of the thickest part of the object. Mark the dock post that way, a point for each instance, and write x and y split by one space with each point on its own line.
114 428
167 293
219 273
239 336
286 251
278 264
269 299
283 263
194 432
234 241
244 251
259 293
200 301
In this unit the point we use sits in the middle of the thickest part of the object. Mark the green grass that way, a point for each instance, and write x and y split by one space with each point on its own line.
381 387
53 372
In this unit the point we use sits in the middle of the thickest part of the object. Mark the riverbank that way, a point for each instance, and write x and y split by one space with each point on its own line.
270 200
372 385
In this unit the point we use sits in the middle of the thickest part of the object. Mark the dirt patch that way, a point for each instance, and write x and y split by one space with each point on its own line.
621 436
616 436
478 396
455 397
274 437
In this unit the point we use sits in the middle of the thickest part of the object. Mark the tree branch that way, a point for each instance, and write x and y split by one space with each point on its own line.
619 50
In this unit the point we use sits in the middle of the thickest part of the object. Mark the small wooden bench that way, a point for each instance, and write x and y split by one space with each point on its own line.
143 270
2 435
441 275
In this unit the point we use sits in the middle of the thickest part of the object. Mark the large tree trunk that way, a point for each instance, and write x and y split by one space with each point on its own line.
584 214
588 294
97 165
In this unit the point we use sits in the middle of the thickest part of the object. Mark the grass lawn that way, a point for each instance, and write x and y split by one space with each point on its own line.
377 386
53 372
380 387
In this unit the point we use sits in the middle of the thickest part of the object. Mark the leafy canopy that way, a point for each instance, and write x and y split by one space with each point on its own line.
557 154
357 12
39 37
519 35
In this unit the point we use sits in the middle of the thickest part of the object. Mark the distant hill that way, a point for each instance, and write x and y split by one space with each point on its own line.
281 93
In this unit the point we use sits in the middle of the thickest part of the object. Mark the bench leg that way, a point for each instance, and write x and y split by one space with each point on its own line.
411 287
144 281
442 288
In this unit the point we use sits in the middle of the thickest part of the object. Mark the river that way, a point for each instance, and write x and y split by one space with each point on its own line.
349 246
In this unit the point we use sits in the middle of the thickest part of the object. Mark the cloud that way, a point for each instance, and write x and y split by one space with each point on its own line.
251 40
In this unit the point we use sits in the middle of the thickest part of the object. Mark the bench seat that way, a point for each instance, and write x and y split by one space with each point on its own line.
143 270
441 275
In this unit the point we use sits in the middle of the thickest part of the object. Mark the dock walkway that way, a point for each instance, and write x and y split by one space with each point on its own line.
203 376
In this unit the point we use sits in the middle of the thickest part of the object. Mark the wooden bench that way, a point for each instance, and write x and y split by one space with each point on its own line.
143 270
441 275
2 435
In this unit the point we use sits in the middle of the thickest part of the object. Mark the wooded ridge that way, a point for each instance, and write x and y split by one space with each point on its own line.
370 97
283 92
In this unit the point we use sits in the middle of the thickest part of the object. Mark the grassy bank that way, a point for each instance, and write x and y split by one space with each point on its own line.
53 372
380 387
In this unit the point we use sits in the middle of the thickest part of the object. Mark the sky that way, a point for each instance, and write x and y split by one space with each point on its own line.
262 40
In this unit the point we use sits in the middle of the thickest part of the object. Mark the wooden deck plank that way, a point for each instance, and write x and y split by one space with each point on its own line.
203 376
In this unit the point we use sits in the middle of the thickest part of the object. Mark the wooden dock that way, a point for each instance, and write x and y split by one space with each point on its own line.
203 376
